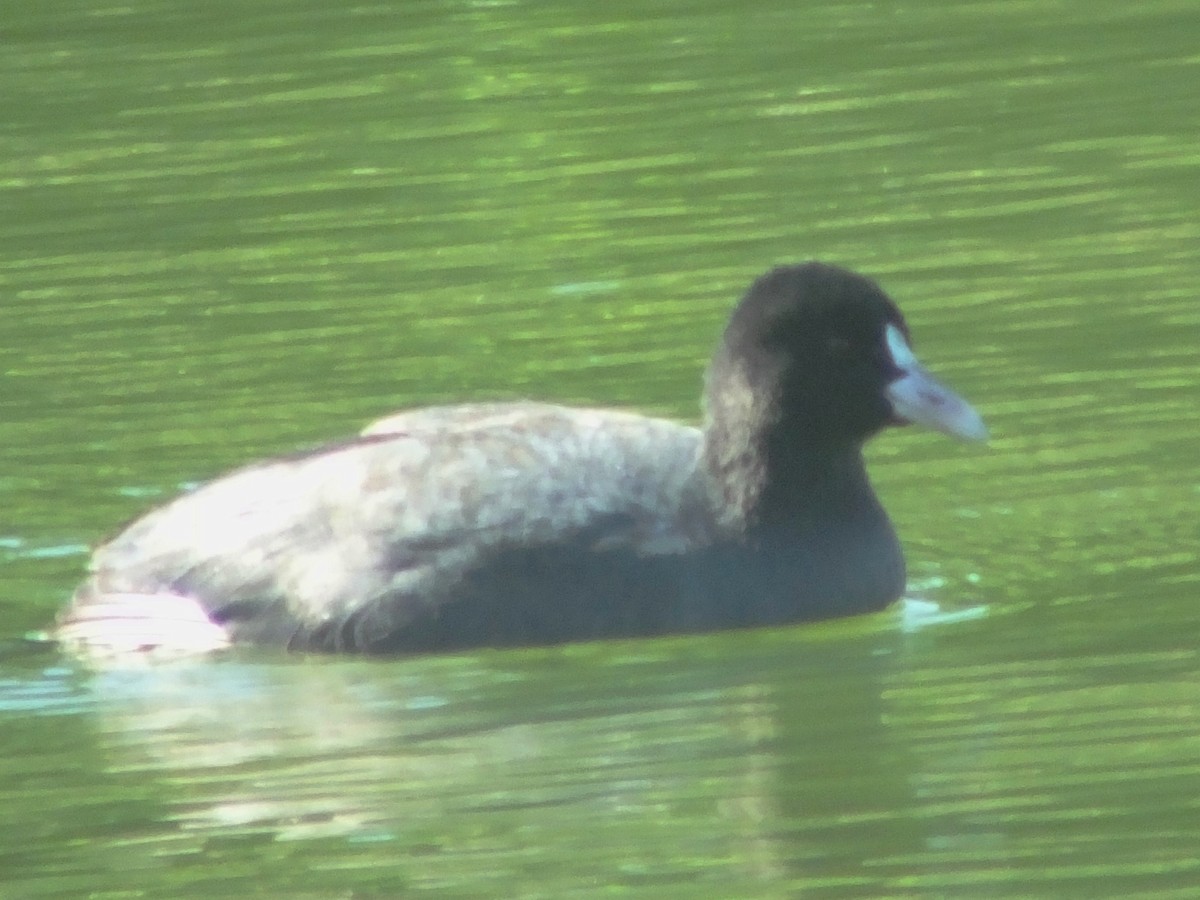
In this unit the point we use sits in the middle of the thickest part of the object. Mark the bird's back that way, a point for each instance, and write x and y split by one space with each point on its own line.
351 544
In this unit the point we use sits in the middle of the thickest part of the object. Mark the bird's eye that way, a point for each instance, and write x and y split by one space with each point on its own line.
838 347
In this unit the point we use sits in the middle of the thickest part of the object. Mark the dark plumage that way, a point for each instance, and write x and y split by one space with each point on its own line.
526 523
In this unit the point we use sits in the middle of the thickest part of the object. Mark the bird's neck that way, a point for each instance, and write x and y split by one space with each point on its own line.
768 476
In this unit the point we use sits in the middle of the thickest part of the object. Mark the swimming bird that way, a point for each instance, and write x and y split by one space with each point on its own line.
524 523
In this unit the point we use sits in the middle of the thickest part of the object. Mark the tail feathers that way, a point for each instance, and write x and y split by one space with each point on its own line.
131 625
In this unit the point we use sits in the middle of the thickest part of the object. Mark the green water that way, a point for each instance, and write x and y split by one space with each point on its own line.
230 230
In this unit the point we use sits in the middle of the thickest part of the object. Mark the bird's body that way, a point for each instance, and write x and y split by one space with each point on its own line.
527 523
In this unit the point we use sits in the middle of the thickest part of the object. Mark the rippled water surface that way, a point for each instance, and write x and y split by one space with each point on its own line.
231 230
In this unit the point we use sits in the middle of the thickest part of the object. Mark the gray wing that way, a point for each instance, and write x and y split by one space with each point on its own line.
394 520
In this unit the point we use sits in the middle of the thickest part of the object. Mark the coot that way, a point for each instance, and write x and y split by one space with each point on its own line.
503 524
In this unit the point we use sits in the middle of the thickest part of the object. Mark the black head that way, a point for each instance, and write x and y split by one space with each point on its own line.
814 360
811 343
